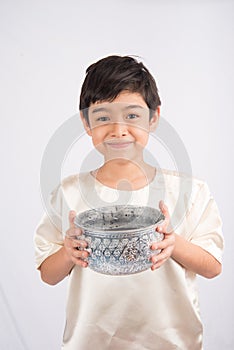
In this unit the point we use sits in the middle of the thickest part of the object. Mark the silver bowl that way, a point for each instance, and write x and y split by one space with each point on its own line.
119 237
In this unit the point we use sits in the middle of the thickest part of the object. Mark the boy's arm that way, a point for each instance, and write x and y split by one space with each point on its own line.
189 255
194 258
58 265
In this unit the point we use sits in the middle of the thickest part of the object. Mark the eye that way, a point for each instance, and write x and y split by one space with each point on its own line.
102 119
132 116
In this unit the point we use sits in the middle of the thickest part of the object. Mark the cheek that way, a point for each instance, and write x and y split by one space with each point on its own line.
98 135
98 144
142 136
97 139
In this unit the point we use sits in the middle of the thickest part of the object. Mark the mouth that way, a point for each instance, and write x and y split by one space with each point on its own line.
119 145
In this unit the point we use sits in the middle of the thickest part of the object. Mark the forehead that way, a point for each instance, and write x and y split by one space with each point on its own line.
123 102
130 97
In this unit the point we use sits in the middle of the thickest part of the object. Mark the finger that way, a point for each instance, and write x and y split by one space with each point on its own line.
163 255
169 240
162 228
164 225
72 215
74 232
80 244
80 254
163 208
158 264
79 262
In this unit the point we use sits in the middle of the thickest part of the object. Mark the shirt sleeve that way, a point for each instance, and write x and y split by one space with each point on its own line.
205 223
48 238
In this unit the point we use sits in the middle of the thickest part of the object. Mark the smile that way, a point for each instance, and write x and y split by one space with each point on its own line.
119 145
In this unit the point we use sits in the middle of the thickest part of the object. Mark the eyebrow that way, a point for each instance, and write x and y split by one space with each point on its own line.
134 106
103 109
100 109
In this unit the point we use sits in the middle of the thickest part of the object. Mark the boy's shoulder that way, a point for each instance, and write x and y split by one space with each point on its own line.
175 176
74 180
68 187
176 180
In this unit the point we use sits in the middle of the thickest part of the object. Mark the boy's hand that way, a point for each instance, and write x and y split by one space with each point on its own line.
75 247
167 244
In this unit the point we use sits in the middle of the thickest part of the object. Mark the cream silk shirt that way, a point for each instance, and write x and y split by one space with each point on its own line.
147 311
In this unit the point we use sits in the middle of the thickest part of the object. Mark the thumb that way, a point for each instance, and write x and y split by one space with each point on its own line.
165 211
72 215
163 208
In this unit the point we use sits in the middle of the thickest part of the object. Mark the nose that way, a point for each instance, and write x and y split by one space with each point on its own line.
118 130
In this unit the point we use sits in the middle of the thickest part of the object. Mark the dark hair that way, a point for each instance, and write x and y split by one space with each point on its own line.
109 76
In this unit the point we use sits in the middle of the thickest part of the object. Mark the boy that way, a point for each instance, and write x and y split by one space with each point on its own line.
158 310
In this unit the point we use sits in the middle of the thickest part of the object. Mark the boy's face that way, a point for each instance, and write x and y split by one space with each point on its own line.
120 129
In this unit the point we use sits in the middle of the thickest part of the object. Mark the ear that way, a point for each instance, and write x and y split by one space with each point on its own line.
155 119
85 123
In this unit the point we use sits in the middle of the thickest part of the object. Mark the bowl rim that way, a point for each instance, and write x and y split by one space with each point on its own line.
98 231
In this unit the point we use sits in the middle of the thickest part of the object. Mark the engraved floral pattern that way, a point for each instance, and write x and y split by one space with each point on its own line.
124 251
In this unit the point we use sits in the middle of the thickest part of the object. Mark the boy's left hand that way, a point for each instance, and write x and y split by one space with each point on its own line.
167 244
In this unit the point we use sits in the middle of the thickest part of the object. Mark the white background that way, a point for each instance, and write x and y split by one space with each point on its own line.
45 49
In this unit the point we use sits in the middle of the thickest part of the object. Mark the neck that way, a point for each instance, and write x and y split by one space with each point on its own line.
123 174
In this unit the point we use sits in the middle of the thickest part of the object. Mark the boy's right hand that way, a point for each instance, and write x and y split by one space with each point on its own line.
73 245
